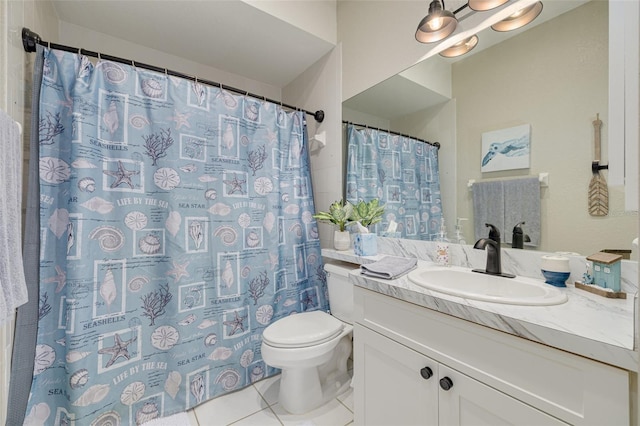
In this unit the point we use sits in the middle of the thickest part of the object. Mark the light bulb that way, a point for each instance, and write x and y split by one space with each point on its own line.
435 24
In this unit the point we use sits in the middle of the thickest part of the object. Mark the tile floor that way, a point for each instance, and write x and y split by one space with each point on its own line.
258 405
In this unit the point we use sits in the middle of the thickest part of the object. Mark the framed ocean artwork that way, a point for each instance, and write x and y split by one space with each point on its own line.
506 149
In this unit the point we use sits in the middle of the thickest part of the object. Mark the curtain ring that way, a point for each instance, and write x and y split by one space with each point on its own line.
99 57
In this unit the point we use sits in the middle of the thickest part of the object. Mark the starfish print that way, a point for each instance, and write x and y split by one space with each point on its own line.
122 175
178 271
307 301
60 279
236 323
181 120
118 350
236 185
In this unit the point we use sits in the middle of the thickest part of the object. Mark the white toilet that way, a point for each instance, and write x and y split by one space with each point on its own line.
312 348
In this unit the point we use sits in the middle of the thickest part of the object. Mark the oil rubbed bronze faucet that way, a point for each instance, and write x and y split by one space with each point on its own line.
492 245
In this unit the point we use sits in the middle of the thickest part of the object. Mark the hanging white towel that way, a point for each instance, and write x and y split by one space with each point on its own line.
13 288
522 204
488 207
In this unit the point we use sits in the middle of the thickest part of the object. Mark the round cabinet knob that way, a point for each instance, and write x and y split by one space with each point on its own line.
426 373
446 383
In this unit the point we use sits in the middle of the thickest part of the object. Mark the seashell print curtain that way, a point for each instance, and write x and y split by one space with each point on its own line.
400 171
176 224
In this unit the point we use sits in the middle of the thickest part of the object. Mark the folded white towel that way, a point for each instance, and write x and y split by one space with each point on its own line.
389 267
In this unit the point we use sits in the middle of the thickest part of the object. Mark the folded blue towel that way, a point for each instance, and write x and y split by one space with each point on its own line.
389 267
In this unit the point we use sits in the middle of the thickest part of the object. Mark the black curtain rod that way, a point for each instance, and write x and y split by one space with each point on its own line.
31 39
436 144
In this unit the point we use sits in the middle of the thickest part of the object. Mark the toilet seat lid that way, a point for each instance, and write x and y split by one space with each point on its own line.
301 330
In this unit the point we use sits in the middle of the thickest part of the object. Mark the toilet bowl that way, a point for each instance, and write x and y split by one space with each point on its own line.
312 348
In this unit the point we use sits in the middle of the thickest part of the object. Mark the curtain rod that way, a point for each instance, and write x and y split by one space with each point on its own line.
436 144
30 39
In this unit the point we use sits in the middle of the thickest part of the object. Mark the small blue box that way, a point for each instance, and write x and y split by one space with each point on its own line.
365 244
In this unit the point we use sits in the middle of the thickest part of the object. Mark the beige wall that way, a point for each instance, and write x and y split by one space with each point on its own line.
555 79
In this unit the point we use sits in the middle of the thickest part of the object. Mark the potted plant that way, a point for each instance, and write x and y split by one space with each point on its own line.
368 214
340 214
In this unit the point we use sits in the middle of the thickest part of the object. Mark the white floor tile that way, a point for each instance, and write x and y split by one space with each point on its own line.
230 408
347 399
331 414
264 417
269 389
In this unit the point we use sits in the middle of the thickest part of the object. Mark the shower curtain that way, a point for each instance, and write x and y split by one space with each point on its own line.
400 171
176 224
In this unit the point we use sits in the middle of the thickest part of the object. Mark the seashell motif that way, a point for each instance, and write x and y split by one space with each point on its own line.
296 228
264 314
312 259
59 222
252 239
263 185
132 393
110 418
99 205
207 178
200 92
206 324
44 358
246 358
289 302
227 275
211 339
173 223
210 194
85 67
220 209
54 170
135 220
257 373
296 148
81 163
244 140
108 290
136 283
95 393
147 412
228 139
110 239
244 273
111 119
172 384
268 221
196 233
79 378
38 415
166 178
150 244
285 197
251 111
229 100
244 220
151 87
138 121
73 356
164 337
227 234
220 354
87 184
307 217
189 168
197 387
229 379
113 72
313 233
292 209
189 319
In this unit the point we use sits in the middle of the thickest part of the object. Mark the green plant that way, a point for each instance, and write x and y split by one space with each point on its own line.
368 213
339 214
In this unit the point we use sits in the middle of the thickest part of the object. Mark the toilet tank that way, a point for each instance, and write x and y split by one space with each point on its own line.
340 289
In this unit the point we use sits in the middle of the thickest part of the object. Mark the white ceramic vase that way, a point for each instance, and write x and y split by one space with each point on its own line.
341 240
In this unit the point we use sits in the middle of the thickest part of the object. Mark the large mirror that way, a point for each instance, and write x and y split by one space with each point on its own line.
551 75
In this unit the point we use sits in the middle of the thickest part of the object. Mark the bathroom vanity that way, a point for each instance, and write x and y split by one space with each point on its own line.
424 357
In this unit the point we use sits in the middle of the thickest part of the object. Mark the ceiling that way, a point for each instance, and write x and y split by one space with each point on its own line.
229 35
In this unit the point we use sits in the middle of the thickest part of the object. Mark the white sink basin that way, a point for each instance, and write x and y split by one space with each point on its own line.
489 288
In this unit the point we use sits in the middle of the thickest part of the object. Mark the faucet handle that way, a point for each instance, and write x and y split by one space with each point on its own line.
494 232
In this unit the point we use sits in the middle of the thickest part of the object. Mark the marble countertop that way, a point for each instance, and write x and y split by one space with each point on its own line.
587 324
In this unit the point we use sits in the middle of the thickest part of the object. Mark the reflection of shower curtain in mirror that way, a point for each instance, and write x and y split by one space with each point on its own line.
176 224
403 173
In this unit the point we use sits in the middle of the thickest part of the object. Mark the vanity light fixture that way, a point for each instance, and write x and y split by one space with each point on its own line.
437 25
519 19
461 47
482 5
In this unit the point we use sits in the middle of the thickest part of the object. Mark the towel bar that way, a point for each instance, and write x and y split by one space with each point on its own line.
542 177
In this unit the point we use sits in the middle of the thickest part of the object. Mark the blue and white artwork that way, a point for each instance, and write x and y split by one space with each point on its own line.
506 149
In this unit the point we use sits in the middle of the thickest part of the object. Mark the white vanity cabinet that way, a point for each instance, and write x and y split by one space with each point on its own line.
478 376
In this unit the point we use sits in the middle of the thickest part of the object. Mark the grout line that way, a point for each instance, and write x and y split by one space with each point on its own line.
345 405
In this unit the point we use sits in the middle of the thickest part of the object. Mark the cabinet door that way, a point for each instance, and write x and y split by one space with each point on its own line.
465 401
389 385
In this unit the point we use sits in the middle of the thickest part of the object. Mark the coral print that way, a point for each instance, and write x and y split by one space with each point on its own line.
176 225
